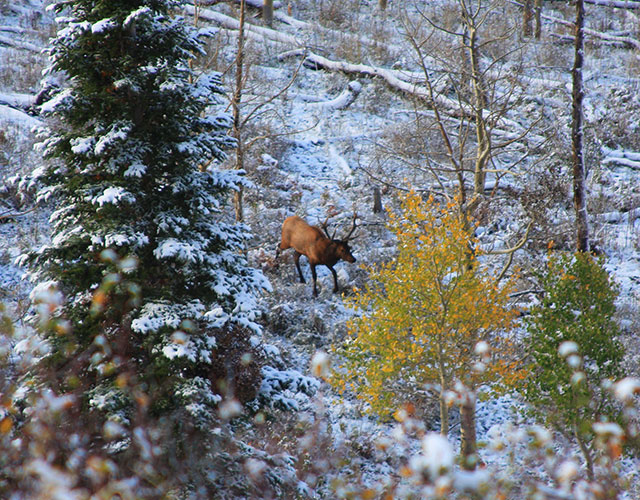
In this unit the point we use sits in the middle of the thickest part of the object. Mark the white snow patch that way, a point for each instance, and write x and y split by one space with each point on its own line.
103 25
626 388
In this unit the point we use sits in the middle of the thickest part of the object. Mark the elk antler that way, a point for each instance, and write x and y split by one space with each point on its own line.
353 227
326 229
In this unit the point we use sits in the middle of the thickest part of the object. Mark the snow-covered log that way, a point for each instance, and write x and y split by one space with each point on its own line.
634 165
605 38
614 39
251 31
17 100
18 117
615 217
618 4
12 29
628 159
19 44
344 100
394 79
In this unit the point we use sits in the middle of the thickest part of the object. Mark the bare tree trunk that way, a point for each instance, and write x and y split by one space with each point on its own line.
196 17
527 18
444 415
468 440
537 11
586 453
483 136
235 103
377 200
382 4
267 12
579 191
444 387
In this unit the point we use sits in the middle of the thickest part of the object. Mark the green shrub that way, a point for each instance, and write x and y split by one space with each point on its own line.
574 347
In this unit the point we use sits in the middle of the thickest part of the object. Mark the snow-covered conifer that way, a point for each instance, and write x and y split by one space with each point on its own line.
141 246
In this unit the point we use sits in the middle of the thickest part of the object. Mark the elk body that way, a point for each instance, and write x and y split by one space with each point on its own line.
319 248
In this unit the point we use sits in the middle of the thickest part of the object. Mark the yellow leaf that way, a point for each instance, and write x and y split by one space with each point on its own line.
6 424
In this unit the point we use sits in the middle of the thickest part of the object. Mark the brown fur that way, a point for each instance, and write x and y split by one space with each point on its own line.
311 242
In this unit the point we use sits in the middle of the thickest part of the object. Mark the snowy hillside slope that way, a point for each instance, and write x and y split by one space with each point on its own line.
335 107
312 158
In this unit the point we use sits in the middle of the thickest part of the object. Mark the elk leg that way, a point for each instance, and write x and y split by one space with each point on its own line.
335 279
296 258
315 278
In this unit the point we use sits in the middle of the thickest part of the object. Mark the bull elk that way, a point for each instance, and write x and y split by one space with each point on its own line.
320 249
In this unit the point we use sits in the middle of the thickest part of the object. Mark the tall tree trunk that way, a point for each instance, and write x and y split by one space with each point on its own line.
468 440
483 136
235 103
377 200
527 18
382 4
537 11
579 191
267 12
444 415
444 387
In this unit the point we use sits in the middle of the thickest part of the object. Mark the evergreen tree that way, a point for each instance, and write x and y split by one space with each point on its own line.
141 247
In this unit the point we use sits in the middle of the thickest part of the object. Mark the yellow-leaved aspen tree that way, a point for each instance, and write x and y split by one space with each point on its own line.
419 319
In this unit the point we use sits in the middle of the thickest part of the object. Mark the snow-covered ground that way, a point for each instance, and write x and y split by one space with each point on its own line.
315 151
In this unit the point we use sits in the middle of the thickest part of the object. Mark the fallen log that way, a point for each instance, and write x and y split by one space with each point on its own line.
618 4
